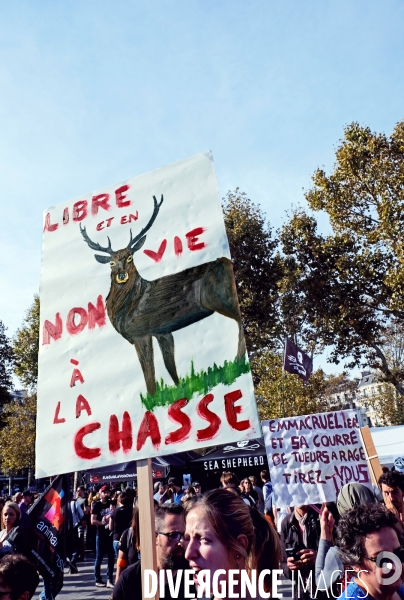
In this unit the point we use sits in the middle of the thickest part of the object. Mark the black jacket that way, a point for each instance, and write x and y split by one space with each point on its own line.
291 536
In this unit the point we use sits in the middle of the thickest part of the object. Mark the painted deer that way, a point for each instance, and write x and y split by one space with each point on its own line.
140 309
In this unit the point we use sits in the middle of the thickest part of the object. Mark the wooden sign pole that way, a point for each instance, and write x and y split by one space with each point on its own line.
146 519
375 468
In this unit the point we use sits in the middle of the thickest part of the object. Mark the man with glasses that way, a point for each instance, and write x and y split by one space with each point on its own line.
103 543
170 550
370 545
18 578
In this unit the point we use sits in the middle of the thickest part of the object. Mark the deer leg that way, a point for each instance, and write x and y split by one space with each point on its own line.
218 293
166 343
144 349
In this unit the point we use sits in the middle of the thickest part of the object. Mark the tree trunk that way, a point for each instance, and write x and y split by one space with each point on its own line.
10 484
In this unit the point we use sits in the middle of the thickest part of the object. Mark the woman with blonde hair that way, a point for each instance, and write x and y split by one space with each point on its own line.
223 532
10 519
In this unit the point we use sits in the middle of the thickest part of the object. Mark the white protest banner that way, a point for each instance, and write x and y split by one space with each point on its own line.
312 457
141 346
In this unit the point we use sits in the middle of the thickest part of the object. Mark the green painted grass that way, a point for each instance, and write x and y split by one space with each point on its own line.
196 383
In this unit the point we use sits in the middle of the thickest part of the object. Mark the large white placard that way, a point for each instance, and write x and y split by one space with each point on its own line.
312 457
141 351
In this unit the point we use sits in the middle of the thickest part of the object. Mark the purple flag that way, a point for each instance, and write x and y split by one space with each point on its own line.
296 361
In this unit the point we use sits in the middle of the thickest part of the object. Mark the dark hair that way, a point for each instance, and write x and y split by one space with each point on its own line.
161 512
392 479
130 492
358 523
332 507
229 478
230 517
124 499
174 481
18 574
265 475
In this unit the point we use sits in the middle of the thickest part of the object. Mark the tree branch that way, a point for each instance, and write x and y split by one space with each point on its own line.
389 376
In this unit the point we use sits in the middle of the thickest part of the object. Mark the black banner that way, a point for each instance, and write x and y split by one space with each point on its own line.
296 361
42 531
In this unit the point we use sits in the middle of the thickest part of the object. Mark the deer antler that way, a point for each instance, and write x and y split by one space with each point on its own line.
95 246
149 224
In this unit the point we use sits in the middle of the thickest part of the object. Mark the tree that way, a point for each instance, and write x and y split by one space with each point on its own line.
351 282
269 307
6 366
339 390
388 404
17 438
284 394
26 346
257 269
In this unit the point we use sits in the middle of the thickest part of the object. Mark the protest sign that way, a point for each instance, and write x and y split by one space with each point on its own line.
312 457
141 345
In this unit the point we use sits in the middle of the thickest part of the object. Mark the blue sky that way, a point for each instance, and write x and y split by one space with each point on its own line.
95 92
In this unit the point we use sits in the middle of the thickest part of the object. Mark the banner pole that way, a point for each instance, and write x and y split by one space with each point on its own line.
146 519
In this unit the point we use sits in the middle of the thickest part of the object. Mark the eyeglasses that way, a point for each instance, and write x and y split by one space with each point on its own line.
399 552
173 536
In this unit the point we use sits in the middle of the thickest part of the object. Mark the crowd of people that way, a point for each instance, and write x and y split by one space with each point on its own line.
351 548
327 551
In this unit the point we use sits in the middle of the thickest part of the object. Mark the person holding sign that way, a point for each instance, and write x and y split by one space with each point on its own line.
329 568
300 534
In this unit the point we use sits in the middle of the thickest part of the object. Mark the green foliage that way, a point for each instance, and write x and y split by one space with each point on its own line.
389 406
6 365
266 282
17 438
284 394
26 346
196 383
257 269
350 283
